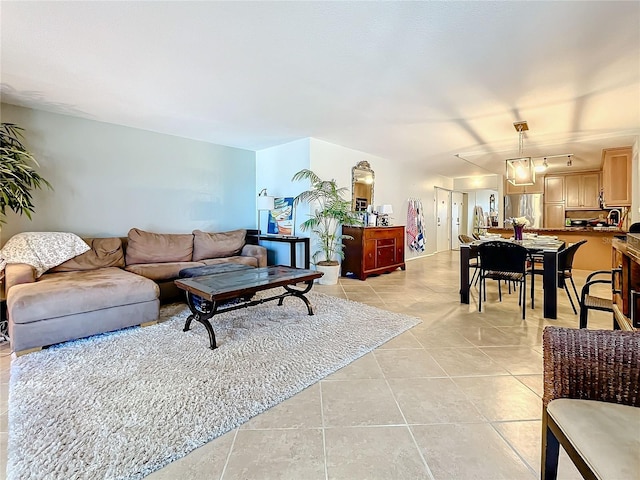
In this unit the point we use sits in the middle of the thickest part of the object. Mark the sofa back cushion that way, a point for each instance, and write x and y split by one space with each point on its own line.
104 252
217 245
147 247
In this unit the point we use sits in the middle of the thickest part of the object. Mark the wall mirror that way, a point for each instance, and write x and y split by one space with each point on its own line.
362 181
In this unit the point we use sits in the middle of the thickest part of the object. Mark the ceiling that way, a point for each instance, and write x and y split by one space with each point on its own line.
435 84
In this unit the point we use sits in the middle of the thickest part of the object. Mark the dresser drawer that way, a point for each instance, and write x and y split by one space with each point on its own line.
386 242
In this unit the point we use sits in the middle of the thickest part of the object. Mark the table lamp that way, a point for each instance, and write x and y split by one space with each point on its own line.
265 202
383 215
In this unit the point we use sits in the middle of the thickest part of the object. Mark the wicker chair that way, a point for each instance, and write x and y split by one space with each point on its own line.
592 302
590 403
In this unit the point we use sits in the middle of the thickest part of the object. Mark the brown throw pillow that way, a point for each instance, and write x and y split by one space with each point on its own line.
217 245
105 252
148 247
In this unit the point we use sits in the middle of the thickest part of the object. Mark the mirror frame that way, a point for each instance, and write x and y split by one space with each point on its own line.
362 166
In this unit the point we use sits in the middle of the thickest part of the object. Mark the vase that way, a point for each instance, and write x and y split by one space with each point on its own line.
517 231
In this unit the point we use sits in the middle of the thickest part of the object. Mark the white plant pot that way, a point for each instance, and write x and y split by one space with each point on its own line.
331 273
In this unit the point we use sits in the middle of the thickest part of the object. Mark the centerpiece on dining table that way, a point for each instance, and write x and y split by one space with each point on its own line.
518 226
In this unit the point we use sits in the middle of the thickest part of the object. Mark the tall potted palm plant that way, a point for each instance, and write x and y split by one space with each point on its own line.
332 210
18 176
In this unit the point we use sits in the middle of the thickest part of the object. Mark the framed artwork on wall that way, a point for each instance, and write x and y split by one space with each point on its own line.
281 218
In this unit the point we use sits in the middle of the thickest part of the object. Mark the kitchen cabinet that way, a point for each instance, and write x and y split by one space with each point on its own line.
616 177
554 215
554 189
537 187
372 250
582 191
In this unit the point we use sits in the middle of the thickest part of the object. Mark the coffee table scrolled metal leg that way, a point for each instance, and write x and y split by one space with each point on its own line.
300 294
201 311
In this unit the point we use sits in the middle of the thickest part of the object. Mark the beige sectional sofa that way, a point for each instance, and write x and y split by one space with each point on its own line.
118 283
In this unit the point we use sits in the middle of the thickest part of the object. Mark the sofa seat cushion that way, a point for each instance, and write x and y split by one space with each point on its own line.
161 271
604 434
67 293
251 261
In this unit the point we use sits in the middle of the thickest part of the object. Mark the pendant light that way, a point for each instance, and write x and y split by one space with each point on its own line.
521 170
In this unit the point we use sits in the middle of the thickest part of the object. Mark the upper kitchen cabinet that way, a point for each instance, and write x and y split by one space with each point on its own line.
582 191
553 189
537 187
616 177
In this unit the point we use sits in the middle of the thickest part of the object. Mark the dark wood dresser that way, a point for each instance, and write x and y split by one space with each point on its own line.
626 281
373 250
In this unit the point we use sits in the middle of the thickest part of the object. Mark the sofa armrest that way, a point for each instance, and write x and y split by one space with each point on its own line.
17 273
256 251
585 364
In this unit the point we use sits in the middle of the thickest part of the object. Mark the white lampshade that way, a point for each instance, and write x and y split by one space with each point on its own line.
385 209
265 202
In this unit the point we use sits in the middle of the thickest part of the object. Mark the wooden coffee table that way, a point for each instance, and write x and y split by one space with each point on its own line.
217 288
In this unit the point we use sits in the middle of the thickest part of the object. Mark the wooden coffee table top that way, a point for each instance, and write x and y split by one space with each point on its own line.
221 286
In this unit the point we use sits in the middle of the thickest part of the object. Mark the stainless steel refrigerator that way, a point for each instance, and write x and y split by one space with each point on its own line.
528 205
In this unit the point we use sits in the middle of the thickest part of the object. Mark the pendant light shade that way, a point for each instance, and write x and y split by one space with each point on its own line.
521 170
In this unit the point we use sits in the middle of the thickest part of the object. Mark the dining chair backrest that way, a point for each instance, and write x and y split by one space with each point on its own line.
502 256
565 256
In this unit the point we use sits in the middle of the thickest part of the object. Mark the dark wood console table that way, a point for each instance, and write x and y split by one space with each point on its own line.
292 241
373 250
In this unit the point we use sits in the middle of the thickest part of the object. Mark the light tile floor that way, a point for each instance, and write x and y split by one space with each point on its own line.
456 397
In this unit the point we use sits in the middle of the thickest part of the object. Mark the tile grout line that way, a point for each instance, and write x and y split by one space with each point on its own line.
226 463
324 438
413 438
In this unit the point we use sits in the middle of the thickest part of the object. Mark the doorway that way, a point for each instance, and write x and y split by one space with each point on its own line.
443 219
457 218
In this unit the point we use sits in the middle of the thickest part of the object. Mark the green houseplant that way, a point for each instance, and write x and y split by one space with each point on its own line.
332 210
18 176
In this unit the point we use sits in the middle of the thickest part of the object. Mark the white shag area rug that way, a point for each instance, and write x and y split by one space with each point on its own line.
124 404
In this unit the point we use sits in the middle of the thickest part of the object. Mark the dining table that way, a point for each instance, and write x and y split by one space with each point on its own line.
547 247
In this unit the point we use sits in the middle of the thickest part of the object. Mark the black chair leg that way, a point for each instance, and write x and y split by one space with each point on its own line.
523 292
584 312
566 289
533 276
500 290
574 289
551 449
480 295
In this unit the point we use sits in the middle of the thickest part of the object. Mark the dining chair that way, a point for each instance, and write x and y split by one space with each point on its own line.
474 262
501 260
590 404
593 302
565 265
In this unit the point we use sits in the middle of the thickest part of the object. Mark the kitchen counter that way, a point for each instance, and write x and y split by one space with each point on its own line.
596 254
549 231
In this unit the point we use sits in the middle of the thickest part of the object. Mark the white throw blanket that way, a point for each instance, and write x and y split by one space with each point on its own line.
42 250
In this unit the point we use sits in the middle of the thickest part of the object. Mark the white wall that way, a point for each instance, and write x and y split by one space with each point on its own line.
109 178
274 168
395 183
